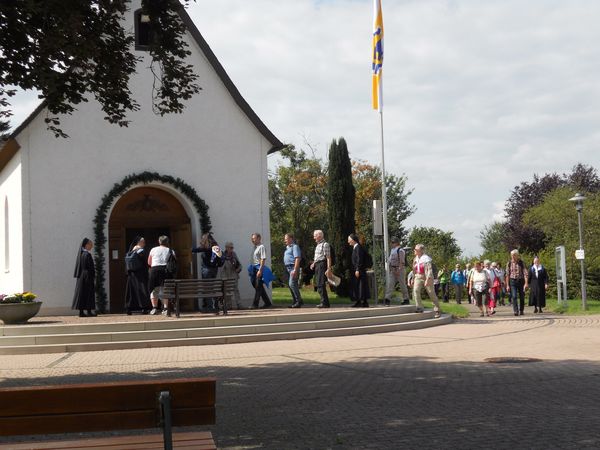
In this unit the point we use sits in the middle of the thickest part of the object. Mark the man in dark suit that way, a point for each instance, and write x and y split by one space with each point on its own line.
360 284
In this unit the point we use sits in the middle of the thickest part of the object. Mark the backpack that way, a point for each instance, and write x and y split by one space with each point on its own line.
368 260
434 270
132 262
407 262
172 263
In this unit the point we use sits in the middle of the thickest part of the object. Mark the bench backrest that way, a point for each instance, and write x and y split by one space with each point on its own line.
201 288
104 406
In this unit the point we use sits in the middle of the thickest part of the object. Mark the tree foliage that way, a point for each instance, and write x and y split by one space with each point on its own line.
297 202
367 182
340 211
492 242
557 218
530 194
440 245
67 49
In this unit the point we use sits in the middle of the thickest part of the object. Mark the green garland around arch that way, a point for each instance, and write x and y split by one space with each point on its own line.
117 191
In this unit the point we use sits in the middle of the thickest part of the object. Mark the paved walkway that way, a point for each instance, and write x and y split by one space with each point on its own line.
422 389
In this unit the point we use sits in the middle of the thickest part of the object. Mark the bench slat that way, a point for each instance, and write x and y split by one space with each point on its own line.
197 440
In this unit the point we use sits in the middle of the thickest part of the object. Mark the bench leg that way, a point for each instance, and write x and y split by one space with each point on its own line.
165 410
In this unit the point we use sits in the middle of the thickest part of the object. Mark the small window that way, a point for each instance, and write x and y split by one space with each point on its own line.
6 237
143 33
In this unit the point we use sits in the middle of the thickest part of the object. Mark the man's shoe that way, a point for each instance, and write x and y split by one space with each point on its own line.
516 314
293 305
356 304
165 312
365 305
82 314
296 305
322 306
91 313
154 311
521 313
387 302
535 310
405 302
254 307
267 306
419 310
437 315
540 311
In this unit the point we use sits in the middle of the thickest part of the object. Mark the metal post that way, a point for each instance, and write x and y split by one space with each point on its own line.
582 261
164 400
386 250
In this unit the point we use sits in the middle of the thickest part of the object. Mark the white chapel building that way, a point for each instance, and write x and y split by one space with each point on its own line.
177 175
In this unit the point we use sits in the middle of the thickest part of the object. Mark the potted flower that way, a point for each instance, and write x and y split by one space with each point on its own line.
19 307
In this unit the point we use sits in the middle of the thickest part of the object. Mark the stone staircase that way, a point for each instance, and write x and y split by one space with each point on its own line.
245 327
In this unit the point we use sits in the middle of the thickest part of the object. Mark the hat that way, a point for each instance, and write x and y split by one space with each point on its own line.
334 280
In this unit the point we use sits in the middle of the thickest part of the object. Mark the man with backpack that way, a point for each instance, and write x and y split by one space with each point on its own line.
396 273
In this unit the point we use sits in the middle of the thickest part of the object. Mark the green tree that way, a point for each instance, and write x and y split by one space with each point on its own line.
557 219
297 202
492 242
440 245
367 182
67 49
340 211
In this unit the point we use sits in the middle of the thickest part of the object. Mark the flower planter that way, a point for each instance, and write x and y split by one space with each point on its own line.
14 313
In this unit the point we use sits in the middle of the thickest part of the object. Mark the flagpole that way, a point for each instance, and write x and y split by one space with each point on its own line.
384 196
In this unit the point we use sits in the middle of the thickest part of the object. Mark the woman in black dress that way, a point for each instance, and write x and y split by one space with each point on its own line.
136 289
85 297
537 279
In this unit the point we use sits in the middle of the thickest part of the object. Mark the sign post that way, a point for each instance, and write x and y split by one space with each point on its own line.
561 274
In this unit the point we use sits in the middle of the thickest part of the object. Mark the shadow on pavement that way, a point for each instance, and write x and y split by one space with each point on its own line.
392 403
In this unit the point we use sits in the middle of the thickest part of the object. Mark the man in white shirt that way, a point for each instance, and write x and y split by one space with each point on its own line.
396 273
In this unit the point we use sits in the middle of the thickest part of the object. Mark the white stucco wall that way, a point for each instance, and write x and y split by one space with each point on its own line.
11 270
212 146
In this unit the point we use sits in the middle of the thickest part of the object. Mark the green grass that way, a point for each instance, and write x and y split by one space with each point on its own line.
573 307
283 297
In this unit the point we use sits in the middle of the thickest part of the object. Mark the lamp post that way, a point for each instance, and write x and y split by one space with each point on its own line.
578 200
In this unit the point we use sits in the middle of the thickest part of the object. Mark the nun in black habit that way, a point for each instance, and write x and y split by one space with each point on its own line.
537 279
85 297
137 297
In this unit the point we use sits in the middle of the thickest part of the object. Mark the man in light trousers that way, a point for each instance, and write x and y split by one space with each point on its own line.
424 279
396 273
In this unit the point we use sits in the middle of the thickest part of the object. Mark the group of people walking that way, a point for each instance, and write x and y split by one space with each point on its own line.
487 284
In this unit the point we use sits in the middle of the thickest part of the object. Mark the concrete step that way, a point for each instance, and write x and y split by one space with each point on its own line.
418 321
249 318
227 329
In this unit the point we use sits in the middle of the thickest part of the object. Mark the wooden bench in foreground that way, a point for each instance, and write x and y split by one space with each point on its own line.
217 288
94 407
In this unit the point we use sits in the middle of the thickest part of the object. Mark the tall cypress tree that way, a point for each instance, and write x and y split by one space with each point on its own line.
340 211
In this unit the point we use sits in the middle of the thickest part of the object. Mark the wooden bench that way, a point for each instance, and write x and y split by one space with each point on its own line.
126 405
217 288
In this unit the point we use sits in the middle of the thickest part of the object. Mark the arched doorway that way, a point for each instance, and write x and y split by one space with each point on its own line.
148 212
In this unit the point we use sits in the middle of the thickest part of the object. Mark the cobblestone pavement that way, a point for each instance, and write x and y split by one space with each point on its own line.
420 389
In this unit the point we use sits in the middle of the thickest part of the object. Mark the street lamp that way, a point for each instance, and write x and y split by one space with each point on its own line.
578 200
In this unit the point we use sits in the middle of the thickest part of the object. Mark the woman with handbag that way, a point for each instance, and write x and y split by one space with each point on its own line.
136 289
479 286
212 258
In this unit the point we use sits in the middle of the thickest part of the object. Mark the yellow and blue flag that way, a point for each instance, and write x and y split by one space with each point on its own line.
377 56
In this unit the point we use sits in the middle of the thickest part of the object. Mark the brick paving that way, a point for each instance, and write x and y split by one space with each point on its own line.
419 389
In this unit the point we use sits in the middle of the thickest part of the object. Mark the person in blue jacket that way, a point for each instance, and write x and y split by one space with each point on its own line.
457 278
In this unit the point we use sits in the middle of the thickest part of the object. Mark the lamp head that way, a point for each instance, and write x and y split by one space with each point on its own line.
578 200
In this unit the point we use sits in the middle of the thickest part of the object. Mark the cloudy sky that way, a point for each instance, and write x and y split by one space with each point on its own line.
478 95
